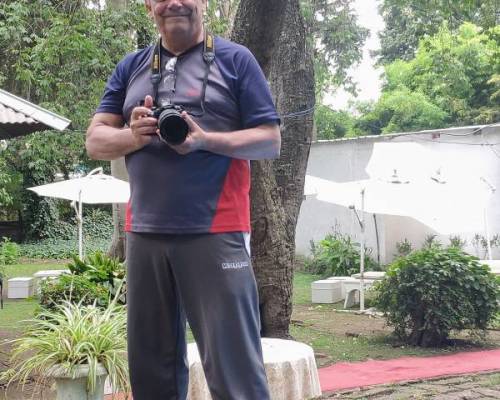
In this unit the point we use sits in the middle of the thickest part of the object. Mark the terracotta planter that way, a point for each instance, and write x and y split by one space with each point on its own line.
75 388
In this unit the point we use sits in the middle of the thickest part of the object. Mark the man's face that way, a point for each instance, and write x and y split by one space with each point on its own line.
177 17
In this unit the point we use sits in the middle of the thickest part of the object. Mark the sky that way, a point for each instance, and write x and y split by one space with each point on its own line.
365 74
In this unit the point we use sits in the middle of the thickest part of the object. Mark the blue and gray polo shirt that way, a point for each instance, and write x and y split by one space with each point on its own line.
200 192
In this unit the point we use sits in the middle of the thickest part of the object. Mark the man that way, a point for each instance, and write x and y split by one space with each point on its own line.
188 215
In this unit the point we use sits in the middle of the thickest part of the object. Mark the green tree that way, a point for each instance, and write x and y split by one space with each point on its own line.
408 21
401 111
337 38
332 124
58 54
452 80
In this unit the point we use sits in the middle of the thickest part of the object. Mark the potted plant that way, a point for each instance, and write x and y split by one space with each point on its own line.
75 345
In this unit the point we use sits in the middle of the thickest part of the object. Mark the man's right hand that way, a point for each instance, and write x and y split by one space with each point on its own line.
142 124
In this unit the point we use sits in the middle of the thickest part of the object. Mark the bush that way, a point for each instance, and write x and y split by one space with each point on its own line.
102 270
73 288
435 290
9 252
61 248
337 255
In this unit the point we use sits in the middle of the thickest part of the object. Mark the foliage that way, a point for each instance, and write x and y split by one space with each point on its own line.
337 39
457 242
403 248
433 291
431 241
72 288
102 270
9 252
70 336
61 248
409 21
58 55
480 244
220 16
337 255
454 71
331 124
401 111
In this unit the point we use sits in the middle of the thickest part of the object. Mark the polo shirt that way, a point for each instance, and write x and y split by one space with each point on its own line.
202 191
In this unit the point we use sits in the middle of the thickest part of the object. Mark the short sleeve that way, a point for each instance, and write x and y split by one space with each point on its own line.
115 91
254 94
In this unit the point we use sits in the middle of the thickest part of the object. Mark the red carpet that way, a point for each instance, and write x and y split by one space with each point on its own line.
352 375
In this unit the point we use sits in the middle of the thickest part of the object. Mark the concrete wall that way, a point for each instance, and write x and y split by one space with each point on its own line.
477 151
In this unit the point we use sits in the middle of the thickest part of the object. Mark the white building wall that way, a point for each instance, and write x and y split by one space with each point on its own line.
345 160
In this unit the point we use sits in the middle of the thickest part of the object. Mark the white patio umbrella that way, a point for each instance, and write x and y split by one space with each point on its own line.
441 205
95 188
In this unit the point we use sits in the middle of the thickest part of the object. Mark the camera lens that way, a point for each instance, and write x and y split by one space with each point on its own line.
173 128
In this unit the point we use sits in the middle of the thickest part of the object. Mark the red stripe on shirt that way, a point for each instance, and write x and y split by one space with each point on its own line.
128 218
233 207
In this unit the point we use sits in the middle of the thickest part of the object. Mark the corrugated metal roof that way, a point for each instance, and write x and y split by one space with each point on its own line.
19 117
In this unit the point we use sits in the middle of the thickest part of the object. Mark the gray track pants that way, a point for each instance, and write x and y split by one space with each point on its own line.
208 278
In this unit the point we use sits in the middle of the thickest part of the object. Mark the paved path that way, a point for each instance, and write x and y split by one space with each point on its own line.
477 386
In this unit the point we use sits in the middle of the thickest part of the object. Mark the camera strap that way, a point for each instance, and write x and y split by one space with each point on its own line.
208 58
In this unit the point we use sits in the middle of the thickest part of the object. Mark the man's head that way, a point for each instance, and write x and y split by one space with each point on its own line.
178 21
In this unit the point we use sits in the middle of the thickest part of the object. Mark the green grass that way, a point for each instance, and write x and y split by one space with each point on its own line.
302 287
16 270
328 347
17 310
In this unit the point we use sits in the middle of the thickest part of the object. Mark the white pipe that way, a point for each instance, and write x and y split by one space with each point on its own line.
362 254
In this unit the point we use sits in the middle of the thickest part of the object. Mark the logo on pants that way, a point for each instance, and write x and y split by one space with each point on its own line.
235 265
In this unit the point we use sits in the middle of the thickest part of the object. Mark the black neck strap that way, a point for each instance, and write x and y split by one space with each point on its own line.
208 57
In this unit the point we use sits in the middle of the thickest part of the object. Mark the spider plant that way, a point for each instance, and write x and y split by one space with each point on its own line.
68 337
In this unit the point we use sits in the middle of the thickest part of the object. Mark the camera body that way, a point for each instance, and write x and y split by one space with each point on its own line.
173 128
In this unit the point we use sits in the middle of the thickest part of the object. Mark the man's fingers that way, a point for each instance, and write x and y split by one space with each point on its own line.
149 121
148 101
190 121
138 112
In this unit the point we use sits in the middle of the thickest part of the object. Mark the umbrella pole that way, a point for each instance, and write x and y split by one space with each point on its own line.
80 227
362 254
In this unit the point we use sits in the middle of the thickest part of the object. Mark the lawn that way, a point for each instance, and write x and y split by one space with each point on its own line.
335 336
16 310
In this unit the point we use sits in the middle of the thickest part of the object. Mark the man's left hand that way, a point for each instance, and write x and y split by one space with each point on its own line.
195 140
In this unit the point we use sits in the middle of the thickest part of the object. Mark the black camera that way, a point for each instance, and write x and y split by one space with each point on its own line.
173 128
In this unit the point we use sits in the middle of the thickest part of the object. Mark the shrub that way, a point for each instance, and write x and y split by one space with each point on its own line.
403 248
73 288
337 255
102 270
433 291
9 252
61 248
67 337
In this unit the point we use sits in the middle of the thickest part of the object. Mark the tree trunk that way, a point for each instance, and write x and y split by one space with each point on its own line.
275 33
118 244
119 171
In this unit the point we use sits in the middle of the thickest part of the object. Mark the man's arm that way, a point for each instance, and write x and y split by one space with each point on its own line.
258 143
107 139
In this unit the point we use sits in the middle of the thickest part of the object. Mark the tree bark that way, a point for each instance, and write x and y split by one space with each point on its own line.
118 243
275 33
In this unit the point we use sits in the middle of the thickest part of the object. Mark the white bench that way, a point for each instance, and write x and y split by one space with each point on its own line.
47 274
20 288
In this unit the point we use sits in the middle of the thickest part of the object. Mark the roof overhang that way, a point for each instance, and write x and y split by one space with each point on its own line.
19 117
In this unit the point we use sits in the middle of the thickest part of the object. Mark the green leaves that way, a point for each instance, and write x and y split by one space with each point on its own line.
70 336
337 255
433 291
